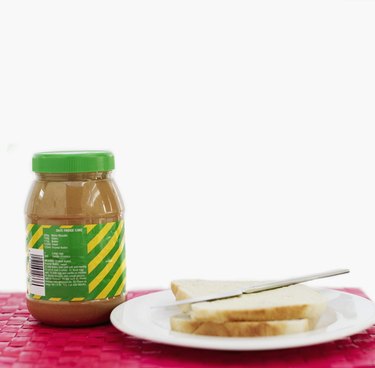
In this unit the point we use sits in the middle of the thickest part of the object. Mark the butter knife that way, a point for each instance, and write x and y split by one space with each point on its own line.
263 286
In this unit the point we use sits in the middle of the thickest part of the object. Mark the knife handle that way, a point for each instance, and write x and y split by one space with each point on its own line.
292 281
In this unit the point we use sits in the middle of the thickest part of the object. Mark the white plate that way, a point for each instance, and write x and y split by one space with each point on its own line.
346 315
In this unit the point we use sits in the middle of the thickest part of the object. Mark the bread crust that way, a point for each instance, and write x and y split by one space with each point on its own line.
267 314
239 329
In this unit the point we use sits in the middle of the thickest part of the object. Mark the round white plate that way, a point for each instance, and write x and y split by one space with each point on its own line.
346 315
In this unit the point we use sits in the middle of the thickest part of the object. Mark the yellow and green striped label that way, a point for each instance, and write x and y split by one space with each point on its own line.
76 262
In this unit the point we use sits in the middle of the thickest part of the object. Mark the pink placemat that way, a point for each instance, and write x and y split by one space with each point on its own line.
26 343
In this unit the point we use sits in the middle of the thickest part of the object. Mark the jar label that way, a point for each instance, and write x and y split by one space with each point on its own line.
76 262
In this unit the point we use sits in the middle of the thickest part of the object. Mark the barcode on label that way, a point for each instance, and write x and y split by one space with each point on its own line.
36 262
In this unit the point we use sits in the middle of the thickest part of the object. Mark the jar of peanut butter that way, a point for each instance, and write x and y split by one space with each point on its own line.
75 239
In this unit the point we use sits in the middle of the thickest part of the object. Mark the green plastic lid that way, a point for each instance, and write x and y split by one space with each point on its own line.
73 161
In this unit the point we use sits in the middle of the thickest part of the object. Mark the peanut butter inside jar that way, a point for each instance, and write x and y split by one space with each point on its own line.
76 268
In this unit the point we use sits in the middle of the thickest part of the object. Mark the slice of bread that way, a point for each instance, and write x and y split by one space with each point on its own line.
185 289
183 323
292 302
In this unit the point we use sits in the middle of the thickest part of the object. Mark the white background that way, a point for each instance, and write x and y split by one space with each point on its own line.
243 130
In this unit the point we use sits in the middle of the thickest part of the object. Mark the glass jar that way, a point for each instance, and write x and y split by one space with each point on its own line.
76 269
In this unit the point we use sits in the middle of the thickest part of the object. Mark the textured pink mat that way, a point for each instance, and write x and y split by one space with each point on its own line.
26 343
